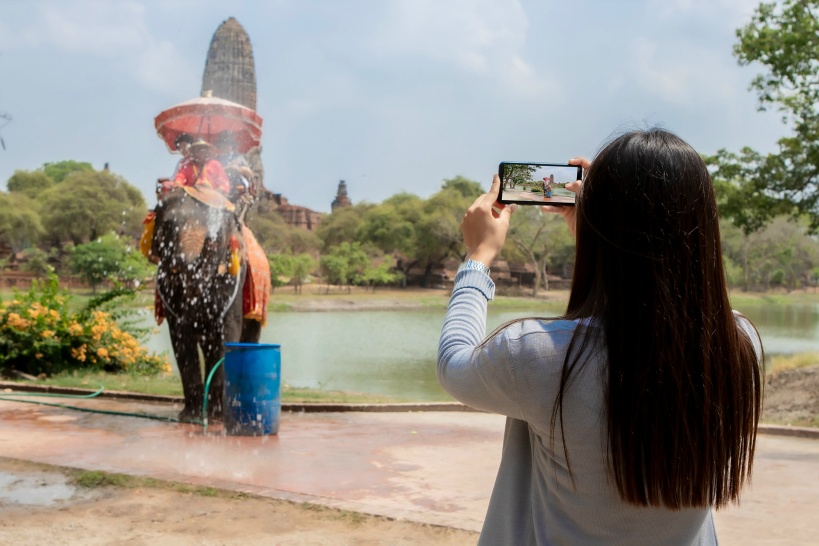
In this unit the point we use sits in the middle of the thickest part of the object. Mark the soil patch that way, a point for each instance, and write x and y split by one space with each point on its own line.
168 514
792 397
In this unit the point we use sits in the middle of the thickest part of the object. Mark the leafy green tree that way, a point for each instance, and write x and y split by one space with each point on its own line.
134 268
277 237
782 253
466 187
344 264
341 225
88 204
518 175
108 258
36 261
281 267
29 183
439 230
20 223
387 228
784 39
59 170
748 204
379 273
302 266
535 235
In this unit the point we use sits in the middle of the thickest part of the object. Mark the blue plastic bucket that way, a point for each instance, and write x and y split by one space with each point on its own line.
252 388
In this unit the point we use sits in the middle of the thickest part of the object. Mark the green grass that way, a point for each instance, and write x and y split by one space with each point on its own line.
170 385
92 479
781 363
747 299
157 384
81 297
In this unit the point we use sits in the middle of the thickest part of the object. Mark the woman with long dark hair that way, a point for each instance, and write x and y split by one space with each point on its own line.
635 413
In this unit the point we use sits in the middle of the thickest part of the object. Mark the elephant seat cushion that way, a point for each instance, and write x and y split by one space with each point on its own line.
209 197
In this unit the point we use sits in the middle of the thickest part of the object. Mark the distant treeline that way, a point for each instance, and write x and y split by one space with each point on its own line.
72 218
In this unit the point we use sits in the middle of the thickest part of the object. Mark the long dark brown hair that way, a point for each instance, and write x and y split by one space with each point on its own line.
684 388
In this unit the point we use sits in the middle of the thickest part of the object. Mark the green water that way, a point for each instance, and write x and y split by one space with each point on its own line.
393 352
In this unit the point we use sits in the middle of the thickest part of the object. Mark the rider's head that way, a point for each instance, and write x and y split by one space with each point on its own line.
183 143
201 151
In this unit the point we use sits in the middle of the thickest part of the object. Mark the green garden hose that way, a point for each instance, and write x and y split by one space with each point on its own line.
207 390
12 397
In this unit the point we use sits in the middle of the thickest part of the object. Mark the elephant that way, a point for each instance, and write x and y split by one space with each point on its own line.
199 289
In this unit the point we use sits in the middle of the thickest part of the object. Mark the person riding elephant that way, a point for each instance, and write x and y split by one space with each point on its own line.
203 286
201 170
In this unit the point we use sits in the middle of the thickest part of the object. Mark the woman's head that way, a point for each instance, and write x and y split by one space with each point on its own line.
684 391
647 221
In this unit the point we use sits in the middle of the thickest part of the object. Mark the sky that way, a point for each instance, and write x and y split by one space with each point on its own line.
388 95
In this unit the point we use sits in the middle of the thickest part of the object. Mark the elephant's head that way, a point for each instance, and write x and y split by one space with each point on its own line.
194 243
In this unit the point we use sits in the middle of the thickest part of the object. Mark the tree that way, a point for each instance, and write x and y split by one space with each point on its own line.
281 266
20 223
466 187
29 183
302 266
344 264
88 204
341 225
780 254
518 175
59 170
388 228
108 258
535 235
439 230
379 273
784 38
36 261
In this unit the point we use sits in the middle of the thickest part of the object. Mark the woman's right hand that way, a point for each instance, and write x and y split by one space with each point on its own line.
570 213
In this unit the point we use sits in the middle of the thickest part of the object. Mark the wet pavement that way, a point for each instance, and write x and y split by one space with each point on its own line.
429 467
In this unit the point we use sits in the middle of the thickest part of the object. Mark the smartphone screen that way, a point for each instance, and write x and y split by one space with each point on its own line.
537 183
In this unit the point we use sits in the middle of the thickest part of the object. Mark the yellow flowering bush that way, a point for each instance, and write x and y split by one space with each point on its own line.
39 333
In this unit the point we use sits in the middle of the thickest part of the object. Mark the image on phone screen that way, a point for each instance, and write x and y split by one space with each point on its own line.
537 183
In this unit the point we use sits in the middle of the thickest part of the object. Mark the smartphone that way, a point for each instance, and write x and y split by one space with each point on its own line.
537 183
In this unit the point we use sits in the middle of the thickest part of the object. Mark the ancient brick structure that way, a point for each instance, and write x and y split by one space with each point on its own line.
296 215
230 72
341 200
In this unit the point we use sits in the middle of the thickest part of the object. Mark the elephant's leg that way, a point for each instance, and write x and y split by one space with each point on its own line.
251 331
187 360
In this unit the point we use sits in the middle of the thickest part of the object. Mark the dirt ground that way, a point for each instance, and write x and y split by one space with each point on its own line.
792 397
41 506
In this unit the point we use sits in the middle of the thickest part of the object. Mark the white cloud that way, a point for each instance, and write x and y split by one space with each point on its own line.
731 13
478 37
98 28
466 33
109 30
683 74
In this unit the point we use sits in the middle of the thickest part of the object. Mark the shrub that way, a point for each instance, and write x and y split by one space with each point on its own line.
39 333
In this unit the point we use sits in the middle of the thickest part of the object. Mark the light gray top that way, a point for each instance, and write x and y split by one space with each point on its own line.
517 374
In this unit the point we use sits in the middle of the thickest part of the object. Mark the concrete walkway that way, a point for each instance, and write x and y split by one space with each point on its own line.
430 467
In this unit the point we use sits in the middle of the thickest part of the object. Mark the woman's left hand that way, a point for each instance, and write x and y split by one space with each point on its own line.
485 232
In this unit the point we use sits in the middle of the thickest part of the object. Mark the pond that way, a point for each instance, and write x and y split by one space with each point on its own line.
393 352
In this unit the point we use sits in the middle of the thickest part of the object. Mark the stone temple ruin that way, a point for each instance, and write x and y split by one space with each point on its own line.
230 73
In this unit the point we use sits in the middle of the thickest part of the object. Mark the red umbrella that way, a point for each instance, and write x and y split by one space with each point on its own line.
206 117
